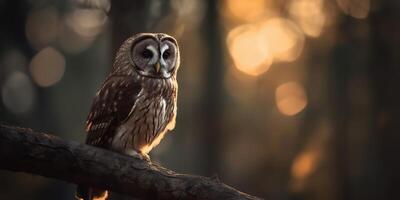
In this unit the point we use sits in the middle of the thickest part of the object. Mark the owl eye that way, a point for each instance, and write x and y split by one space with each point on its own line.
166 54
147 54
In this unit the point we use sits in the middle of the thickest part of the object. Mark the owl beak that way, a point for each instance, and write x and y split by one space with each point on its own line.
157 67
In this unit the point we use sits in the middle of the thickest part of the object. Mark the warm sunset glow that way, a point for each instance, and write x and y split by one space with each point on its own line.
246 10
309 14
284 38
304 164
355 8
249 55
290 98
47 67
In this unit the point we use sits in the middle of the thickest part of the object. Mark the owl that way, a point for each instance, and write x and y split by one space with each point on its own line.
136 105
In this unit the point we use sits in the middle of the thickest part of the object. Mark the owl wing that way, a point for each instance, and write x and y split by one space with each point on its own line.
110 108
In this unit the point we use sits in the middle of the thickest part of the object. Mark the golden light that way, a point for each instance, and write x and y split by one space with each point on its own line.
284 39
290 98
47 67
246 10
41 27
310 159
309 14
17 93
248 55
304 165
355 8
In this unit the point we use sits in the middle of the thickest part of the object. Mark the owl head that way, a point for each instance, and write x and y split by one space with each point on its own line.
153 55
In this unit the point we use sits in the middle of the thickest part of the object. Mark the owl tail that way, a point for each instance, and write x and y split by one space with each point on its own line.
88 193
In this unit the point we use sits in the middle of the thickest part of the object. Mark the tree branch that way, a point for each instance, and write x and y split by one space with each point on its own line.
24 150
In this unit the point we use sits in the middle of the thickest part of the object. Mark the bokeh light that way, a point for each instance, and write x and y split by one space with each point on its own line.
304 164
47 67
87 22
309 14
355 8
284 39
17 93
308 161
290 98
248 52
80 28
42 27
246 10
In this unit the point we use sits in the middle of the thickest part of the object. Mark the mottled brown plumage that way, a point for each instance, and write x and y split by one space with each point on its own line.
136 104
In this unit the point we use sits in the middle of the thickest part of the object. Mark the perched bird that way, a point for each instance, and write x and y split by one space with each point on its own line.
136 105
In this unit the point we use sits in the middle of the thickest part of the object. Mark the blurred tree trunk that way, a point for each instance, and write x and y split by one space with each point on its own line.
341 68
365 70
384 69
353 149
127 18
212 109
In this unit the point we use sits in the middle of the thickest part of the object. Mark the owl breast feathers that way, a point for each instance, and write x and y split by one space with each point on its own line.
136 104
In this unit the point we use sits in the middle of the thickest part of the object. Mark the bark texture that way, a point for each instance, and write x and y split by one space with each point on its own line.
24 150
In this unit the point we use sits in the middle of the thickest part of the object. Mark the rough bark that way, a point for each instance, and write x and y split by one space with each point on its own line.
24 150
